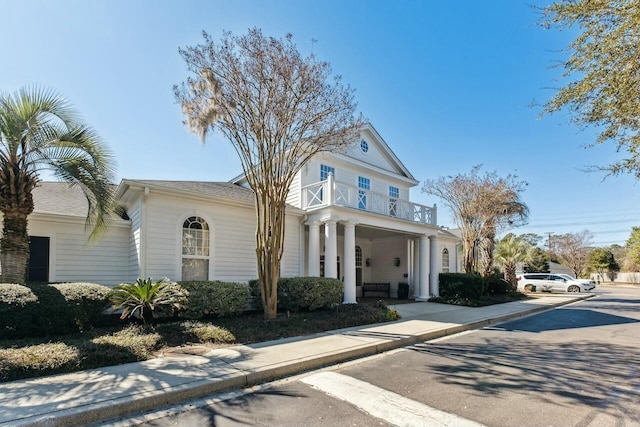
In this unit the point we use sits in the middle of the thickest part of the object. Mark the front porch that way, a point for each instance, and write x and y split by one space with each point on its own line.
363 248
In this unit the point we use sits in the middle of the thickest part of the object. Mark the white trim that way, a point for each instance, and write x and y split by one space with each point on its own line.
72 219
179 226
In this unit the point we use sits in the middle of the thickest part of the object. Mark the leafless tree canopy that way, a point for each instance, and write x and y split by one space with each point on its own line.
572 249
278 109
481 205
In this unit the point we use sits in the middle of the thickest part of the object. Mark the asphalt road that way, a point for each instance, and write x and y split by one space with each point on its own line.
574 366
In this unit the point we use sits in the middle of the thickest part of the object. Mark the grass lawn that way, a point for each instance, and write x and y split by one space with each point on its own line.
127 342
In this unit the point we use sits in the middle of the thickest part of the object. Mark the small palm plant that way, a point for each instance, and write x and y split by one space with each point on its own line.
146 300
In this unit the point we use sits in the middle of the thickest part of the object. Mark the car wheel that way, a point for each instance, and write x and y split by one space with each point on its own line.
528 288
574 288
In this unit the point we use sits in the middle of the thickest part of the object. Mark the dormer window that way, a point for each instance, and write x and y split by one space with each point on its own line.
364 146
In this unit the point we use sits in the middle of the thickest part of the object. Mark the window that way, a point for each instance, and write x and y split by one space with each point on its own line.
394 194
358 257
445 260
364 147
195 249
365 184
325 171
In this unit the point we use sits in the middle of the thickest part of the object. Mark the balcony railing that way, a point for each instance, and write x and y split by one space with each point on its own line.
332 193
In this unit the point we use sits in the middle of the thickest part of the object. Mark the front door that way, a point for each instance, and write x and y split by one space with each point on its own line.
38 270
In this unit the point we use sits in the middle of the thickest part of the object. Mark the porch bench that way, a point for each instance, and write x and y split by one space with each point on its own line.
376 287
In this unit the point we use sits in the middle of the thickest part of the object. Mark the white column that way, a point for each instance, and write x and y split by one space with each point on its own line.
330 249
349 264
434 266
313 262
423 294
416 267
330 190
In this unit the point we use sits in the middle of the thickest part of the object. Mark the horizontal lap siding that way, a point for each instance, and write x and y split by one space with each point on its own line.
290 264
74 259
293 197
134 241
232 238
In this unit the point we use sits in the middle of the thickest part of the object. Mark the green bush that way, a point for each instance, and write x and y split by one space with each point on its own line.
497 286
456 286
304 293
214 299
41 309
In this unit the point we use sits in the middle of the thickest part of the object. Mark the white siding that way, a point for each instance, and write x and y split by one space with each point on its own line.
290 263
374 156
73 259
232 233
134 240
293 198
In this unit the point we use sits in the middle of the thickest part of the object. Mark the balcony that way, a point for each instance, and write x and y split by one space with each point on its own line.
332 193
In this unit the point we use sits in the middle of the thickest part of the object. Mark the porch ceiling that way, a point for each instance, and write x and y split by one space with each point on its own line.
362 231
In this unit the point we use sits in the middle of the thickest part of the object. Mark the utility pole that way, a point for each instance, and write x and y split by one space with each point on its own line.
549 250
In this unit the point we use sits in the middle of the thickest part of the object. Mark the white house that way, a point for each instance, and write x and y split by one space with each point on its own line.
349 216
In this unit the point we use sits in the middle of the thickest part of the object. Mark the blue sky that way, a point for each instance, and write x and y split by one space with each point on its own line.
447 85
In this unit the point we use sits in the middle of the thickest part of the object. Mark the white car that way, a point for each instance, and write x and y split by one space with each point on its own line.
553 283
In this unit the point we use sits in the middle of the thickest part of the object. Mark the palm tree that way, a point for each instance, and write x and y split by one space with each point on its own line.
509 251
40 132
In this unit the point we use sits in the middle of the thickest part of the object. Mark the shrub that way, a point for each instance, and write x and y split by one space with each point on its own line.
456 286
177 333
215 299
304 293
147 300
41 309
497 286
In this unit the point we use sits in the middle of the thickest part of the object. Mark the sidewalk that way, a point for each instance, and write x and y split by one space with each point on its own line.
104 393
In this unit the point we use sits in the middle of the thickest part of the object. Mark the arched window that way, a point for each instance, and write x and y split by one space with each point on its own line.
195 249
445 260
358 257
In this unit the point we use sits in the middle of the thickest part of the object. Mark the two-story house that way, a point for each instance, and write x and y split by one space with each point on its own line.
349 216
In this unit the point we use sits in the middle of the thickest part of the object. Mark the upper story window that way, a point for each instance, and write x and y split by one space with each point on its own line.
325 171
364 146
445 260
394 194
364 184
195 249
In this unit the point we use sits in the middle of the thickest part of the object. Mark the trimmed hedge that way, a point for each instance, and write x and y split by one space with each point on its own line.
213 299
304 293
41 309
455 286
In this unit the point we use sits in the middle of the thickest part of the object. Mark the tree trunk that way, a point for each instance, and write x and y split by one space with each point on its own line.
486 256
469 260
269 249
14 247
510 275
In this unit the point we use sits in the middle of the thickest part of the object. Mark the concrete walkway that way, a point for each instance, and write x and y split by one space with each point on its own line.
105 393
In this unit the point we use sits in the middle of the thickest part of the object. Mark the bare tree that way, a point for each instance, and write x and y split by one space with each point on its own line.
572 249
278 109
481 205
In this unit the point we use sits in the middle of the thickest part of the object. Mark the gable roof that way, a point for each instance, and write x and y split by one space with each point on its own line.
388 152
384 148
60 198
223 190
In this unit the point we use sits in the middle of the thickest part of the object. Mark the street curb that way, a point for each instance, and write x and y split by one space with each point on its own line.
111 409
